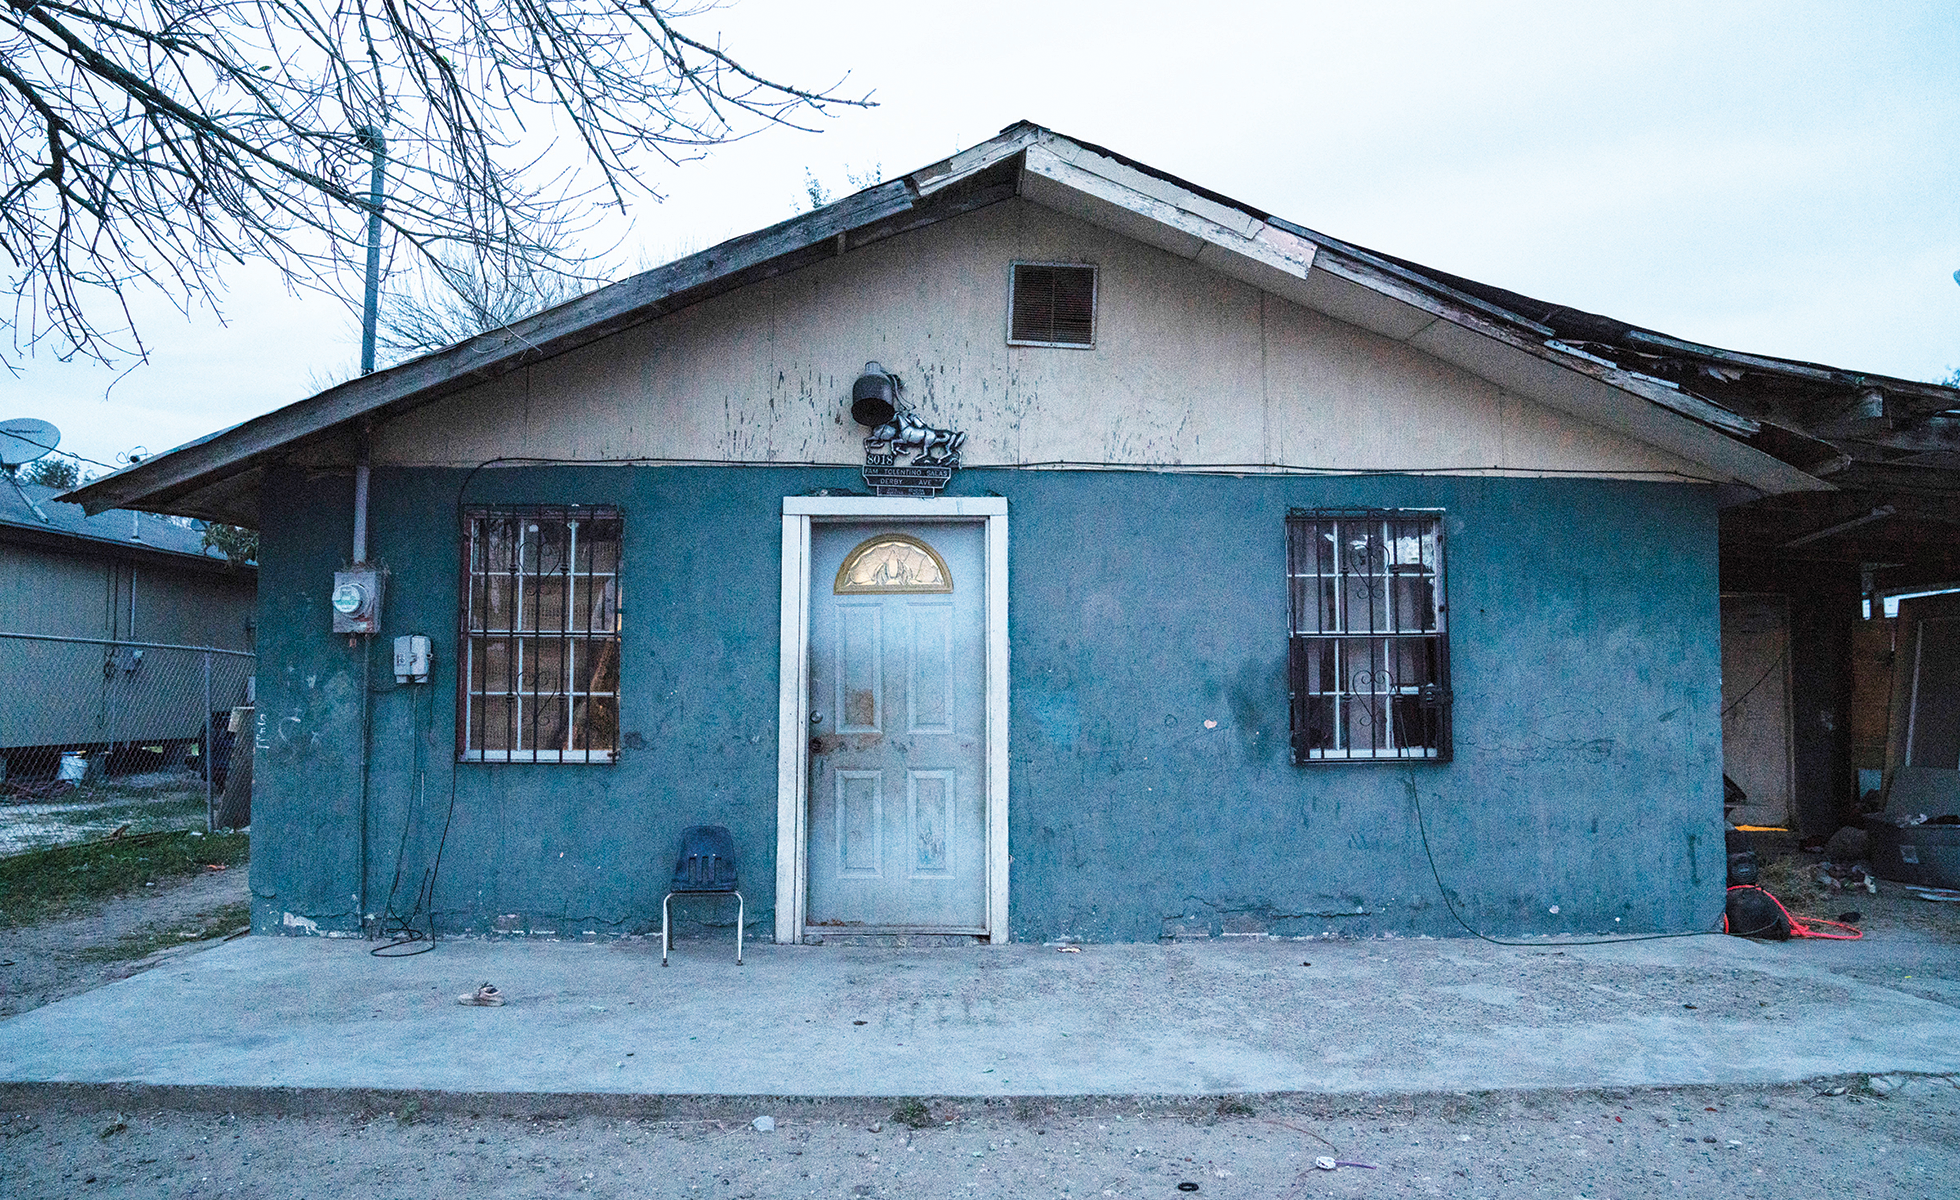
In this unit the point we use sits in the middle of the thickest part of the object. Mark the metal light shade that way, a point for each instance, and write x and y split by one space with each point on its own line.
873 399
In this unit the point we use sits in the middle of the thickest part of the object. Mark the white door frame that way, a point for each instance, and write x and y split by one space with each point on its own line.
793 720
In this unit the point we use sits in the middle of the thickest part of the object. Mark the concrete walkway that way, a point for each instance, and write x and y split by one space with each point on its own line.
1177 1020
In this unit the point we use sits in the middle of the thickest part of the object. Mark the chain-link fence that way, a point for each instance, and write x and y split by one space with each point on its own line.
134 725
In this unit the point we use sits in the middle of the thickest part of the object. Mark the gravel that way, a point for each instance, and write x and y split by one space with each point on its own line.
1787 1142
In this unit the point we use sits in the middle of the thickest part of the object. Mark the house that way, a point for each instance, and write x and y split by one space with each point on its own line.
1036 546
96 613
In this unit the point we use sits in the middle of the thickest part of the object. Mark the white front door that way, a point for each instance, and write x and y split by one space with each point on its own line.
897 832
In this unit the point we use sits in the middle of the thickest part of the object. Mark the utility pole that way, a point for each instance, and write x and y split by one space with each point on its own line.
377 186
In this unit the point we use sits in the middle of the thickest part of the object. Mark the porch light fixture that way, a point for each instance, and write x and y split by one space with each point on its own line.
874 398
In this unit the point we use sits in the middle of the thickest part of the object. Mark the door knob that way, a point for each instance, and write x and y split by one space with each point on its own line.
816 718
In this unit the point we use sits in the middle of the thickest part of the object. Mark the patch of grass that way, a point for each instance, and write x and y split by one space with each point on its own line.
913 1113
144 942
63 879
1232 1106
172 810
1793 881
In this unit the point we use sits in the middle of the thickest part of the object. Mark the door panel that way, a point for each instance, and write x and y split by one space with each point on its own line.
859 702
1756 727
860 824
897 822
929 690
1932 717
929 803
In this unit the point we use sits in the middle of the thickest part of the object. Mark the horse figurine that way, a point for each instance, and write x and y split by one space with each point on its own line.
934 447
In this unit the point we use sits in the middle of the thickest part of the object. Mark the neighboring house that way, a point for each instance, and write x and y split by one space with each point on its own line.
1271 568
96 595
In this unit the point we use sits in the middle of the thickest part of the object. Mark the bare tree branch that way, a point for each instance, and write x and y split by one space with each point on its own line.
151 144
455 297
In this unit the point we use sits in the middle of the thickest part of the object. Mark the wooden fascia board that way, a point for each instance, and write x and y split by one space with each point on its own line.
1266 253
566 327
1644 387
1377 267
1239 235
733 264
1811 372
1068 179
946 172
1607 404
1595 391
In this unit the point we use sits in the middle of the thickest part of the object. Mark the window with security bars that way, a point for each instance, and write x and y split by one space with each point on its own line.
1368 660
539 675
1052 304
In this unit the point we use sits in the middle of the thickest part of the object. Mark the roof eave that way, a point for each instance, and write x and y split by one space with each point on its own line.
64 541
576 323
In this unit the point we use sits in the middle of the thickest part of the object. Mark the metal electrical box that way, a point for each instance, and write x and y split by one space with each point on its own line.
357 600
412 658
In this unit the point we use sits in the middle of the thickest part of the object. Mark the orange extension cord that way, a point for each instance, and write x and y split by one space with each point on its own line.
1803 927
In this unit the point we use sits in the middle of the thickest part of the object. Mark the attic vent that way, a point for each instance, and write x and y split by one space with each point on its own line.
1053 304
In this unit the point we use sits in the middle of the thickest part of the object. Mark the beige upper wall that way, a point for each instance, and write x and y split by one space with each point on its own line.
1190 368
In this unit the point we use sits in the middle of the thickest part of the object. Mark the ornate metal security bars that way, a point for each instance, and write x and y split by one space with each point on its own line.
1368 651
540 639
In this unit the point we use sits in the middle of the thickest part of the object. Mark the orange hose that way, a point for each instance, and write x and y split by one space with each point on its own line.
1803 927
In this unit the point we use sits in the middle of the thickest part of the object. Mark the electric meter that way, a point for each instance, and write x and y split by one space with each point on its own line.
356 600
349 599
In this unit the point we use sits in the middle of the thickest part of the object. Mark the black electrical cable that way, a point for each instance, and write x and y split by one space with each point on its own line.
1280 470
367 745
1416 796
47 449
428 900
400 930
1773 668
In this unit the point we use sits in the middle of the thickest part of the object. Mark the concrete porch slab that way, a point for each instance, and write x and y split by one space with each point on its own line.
1388 1016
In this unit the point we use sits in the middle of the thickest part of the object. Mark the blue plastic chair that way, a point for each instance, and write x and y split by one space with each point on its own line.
706 867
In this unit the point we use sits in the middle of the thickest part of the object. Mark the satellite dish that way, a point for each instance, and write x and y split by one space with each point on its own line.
24 439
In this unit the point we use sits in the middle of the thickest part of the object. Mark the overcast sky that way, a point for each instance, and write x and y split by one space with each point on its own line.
1781 178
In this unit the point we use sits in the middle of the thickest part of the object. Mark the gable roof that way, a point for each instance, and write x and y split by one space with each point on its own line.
30 513
1489 332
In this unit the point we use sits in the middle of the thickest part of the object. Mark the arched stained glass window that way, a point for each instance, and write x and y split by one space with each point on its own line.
893 562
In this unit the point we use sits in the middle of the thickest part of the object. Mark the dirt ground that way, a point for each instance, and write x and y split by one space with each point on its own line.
52 960
1773 1143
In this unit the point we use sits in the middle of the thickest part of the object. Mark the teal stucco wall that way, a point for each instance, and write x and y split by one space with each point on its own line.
1584 796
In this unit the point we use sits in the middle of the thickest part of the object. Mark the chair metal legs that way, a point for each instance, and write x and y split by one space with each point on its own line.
666 926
